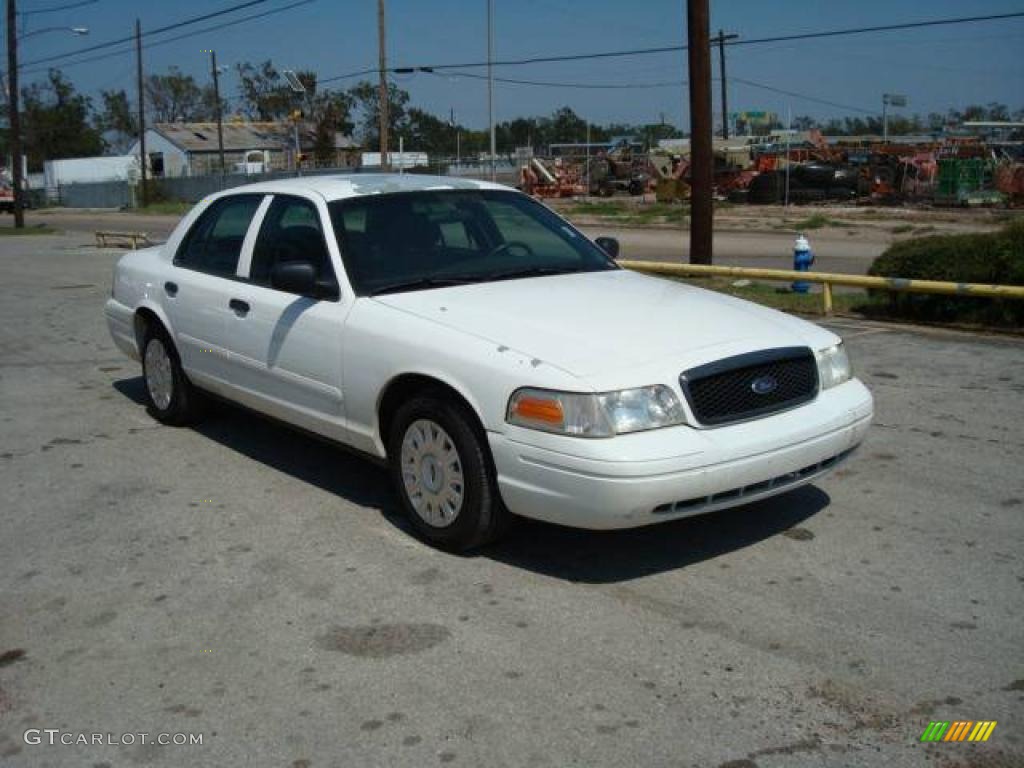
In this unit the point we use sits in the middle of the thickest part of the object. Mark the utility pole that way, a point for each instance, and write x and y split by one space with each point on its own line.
890 100
220 117
722 37
885 118
701 157
458 139
15 116
490 80
383 93
144 195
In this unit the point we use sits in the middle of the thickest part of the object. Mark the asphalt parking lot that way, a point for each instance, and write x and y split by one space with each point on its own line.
250 584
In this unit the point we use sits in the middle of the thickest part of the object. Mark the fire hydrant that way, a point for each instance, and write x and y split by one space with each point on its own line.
803 258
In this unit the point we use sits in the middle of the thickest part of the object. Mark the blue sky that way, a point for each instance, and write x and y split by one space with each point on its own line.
936 68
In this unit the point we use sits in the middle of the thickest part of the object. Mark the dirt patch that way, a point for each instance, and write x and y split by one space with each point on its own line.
11 656
806 745
379 641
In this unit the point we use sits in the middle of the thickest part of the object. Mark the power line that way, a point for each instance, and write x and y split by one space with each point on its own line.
665 84
349 75
880 28
157 31
802 96
549 84
551 59
743 41
66 7
176 38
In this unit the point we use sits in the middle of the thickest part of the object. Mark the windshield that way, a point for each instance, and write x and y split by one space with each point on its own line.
417 240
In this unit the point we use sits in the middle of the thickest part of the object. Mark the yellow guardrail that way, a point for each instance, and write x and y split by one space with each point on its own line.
828 279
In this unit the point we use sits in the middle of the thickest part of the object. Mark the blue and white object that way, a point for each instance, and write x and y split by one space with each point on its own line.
803 258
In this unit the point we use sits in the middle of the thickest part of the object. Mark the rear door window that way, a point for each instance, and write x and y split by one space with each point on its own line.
214 244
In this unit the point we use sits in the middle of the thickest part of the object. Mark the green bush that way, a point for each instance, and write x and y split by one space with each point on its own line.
995 258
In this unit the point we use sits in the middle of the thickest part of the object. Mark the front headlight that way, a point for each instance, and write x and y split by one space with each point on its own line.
833 366
595 415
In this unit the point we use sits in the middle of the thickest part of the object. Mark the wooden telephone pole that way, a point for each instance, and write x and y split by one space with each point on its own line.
720 40
13 113
220 116
701 157
383 93
143 192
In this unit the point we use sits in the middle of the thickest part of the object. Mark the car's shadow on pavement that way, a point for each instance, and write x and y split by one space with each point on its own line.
303 456
600 557
564 553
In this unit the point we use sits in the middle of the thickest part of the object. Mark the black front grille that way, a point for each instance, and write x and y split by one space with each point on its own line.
751 385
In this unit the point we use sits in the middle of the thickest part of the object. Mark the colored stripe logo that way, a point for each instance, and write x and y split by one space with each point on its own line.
958 730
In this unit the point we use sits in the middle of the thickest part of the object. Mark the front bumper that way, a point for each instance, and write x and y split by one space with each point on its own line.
648 477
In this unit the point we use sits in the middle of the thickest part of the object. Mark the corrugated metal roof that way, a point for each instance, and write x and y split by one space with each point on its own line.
202 137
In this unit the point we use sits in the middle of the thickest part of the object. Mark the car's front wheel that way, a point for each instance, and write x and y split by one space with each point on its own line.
172 398
442 474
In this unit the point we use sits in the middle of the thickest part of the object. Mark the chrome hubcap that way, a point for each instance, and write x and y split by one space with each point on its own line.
432 473
159 376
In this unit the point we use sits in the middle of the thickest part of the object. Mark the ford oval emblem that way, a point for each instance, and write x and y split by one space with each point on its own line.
764 385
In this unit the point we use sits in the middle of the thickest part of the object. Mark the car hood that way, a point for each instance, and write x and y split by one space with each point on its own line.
595 322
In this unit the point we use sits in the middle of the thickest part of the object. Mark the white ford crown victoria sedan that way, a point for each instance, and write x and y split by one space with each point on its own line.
493 356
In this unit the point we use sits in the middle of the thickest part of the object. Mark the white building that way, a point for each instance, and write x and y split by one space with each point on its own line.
191 149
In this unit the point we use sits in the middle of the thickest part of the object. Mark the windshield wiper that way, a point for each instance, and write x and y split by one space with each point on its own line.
423 282
440 281
511 274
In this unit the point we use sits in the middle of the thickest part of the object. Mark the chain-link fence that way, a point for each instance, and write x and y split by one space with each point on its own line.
191 189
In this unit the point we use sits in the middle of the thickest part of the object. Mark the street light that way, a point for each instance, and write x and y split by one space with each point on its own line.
890 100
490 79
73 30
14 115
299 89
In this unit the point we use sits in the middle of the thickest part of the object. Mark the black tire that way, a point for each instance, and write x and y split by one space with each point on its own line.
814 174
482 517
185 404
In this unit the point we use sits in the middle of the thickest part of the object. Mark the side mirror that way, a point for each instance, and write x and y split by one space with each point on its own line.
609 245
294 277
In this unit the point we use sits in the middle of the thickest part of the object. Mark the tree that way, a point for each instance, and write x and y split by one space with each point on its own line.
177 98
426 133
804 123
265 94
566 127
935 121
652 133
366 98
117 114
973 112
56 122
330 112
998 112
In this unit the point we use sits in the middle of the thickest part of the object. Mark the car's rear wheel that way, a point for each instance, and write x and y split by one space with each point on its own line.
442 474
172 398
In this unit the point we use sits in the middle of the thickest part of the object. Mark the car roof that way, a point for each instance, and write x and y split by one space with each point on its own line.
342 186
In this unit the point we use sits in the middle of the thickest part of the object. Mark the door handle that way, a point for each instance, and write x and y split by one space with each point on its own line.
241 307
171 288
